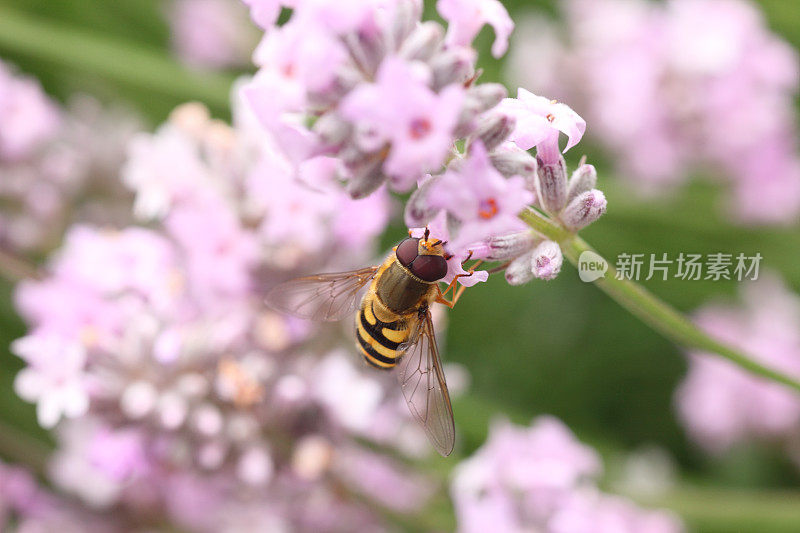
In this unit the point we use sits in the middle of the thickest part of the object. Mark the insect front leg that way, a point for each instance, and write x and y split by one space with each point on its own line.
440 297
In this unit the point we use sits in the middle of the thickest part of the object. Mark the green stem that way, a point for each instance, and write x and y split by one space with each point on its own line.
706 508
647 307
117 60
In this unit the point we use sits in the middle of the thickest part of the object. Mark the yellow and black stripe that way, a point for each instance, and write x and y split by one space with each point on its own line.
379 341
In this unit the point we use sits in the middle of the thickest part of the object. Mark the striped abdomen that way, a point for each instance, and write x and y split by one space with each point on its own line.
379 340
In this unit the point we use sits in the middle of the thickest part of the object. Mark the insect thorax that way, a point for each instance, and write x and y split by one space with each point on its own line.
400 291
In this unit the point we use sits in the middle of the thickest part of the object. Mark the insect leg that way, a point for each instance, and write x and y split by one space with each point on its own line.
457 294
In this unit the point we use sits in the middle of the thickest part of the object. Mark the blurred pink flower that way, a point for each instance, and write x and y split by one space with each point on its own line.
369 473
541 478
213 34
54 377
163 170
350 396
25 506
110 262
590 511
28 118
119 454
721 405
388 96
58 165
669 94
221 253
184 375
264 12
465 18
400 109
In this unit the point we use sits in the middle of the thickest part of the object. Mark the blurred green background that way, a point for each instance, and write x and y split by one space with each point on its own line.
560 347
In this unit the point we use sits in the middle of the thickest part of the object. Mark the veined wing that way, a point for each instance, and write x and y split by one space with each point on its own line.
424 388
322 297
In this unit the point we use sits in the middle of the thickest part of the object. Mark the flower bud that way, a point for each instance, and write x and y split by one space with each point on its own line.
485 96
332 130
584 209
423 42
418 211
406 17
451 66
510 245
547 260
341 84
367 49
513 161
479 99
582 180
366 176
520 270
492 130
552 184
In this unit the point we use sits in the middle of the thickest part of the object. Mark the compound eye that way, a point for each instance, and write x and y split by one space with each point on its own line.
429 267
407 251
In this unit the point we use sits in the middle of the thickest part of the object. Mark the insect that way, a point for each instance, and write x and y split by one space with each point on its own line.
394 330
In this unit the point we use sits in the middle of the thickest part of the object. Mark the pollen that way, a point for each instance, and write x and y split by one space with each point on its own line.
240 386
487 208
550 117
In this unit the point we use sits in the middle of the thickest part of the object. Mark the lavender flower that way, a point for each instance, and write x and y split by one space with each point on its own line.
400 110
382 97
58 165
721 405
401 126
541 478
176 394
483 201
182 380
25 506
211 34
668 94
466 17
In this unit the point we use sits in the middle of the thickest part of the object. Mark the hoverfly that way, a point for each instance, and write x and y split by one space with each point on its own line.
394 330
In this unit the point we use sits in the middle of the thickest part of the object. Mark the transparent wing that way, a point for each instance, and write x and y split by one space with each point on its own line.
322 297
422 381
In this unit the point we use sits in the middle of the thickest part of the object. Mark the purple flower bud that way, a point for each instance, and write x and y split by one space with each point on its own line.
582 180
513 161
479 99
341 84
366 176
423 43
452 66
486 96
584 209
332 129
492 130
552 184
547 260
366 48
510 245
418 210
520 271
406 18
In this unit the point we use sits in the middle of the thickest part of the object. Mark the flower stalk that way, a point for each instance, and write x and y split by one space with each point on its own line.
647 307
